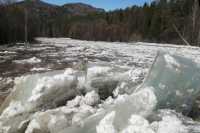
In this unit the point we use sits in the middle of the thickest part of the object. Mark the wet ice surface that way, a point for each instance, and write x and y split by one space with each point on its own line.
60 53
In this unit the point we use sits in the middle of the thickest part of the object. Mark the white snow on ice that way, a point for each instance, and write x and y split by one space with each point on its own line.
14 108
171 61
135 58
106 124
33 60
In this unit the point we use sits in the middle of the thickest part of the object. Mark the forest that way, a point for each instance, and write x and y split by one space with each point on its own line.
163 21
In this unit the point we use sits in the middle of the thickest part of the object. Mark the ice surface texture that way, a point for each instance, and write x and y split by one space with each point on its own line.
176 82
172 83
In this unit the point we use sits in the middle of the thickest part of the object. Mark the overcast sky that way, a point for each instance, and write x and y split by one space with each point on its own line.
105 4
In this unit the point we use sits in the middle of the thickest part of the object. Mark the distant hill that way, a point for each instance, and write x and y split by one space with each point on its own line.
81 8
72 8
37 3
38 7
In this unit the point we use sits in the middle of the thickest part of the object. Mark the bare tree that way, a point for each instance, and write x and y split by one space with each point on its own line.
194 20
180 35
195 31
194 15
26 25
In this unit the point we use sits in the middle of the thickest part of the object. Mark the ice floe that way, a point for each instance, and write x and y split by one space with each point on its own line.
109 99
33 60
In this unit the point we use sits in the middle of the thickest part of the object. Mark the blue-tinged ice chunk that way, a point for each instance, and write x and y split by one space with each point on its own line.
176 82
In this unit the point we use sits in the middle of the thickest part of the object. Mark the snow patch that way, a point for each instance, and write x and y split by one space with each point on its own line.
138 124
145 100
92 98
69 71
40 69
4 129
57 123
97 70
7 52
14 108
136 74
48 84
33 125
33 60
170 124
106 124
171 61
121 89
74 102
83 112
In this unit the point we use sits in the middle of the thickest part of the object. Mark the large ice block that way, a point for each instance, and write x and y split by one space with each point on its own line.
173 82
176 82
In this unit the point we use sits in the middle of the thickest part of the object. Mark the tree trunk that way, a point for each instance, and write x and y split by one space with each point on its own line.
180 35
195 30
26 26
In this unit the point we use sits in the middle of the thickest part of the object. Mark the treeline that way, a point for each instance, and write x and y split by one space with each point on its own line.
42 20
161 21
152 23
